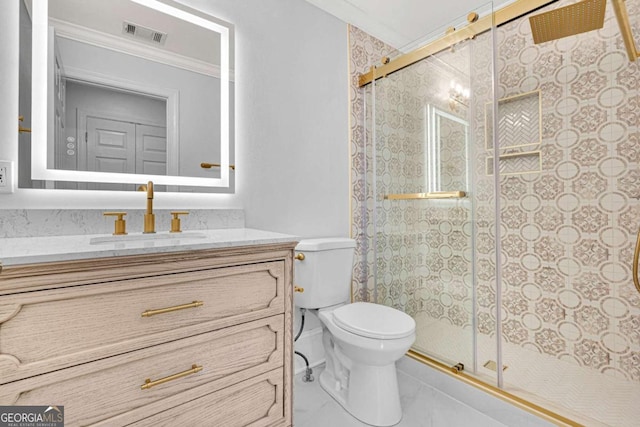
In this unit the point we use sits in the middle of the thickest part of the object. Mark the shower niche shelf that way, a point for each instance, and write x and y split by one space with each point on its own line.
519 121
516 163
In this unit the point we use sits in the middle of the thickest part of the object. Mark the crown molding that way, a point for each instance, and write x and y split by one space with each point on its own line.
351 14
131 47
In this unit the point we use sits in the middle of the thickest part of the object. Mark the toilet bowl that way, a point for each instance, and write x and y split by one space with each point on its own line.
360 371
362 341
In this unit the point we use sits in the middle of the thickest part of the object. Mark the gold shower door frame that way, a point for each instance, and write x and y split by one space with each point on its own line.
515 10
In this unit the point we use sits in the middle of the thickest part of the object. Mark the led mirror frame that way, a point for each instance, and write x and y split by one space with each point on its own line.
40 124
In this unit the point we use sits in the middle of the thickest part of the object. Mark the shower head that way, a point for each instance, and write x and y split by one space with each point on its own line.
580 17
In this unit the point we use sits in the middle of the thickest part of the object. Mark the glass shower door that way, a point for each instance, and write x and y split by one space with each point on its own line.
425 128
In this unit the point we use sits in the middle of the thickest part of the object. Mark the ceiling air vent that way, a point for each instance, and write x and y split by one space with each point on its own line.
144 33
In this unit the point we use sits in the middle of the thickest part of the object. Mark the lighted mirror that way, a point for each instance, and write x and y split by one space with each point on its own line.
447 153
126 91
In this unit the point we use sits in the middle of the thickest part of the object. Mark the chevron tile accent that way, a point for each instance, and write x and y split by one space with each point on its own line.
519 121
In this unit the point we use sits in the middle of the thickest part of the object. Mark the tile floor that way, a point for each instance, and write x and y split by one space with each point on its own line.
423 406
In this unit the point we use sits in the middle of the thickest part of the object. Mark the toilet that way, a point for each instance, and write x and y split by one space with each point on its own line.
361 340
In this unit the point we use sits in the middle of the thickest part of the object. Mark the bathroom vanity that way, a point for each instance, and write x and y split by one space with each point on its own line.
172 331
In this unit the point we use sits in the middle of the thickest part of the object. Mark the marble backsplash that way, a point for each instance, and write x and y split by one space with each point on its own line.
61 222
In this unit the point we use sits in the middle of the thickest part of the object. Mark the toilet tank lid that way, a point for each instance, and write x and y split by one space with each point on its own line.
325 244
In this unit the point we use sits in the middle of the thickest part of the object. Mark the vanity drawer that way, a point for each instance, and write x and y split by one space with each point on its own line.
255 402
47 330
111 388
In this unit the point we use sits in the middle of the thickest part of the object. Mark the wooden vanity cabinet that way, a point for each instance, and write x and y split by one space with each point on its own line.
200 338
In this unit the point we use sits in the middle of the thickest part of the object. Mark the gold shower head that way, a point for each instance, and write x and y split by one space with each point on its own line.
580 17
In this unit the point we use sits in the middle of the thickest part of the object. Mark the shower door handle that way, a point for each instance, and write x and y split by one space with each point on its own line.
636 255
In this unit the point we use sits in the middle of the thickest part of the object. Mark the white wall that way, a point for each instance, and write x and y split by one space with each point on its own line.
292 124
292 91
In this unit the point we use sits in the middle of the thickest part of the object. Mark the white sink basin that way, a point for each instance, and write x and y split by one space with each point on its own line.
146 237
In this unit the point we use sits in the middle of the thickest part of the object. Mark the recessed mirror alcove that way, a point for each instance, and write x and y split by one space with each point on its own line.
123 92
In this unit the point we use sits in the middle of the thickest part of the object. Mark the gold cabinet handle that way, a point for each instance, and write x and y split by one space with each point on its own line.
300 256
298 289
194 304
148 383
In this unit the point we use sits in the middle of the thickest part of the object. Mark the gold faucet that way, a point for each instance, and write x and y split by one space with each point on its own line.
149 217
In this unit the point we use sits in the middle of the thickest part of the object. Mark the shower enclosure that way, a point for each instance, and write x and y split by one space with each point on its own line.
497 203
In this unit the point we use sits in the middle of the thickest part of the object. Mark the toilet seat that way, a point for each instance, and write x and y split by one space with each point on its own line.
374 321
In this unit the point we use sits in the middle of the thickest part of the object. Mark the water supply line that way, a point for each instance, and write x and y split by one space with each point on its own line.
308 377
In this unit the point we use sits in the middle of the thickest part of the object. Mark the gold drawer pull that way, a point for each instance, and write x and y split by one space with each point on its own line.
148 383
194 304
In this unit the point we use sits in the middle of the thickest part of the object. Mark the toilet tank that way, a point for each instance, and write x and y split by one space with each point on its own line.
324 273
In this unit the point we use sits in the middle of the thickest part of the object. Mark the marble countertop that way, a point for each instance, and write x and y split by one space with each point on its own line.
31 250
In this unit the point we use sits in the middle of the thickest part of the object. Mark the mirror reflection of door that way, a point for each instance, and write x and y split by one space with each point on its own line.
111 130
110 145
122 147
151 149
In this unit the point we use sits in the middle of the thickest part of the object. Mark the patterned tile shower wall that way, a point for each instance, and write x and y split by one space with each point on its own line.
568 231
364 51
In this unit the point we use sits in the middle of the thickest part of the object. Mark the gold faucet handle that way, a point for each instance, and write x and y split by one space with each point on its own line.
120 223
175 221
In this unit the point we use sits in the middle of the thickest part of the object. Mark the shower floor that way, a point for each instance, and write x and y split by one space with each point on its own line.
581 394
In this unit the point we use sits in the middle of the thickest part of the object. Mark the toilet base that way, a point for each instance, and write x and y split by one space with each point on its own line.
372 394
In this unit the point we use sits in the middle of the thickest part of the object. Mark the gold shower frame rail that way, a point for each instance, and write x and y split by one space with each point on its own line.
503 15
636 255
625 29
434 195
495 391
